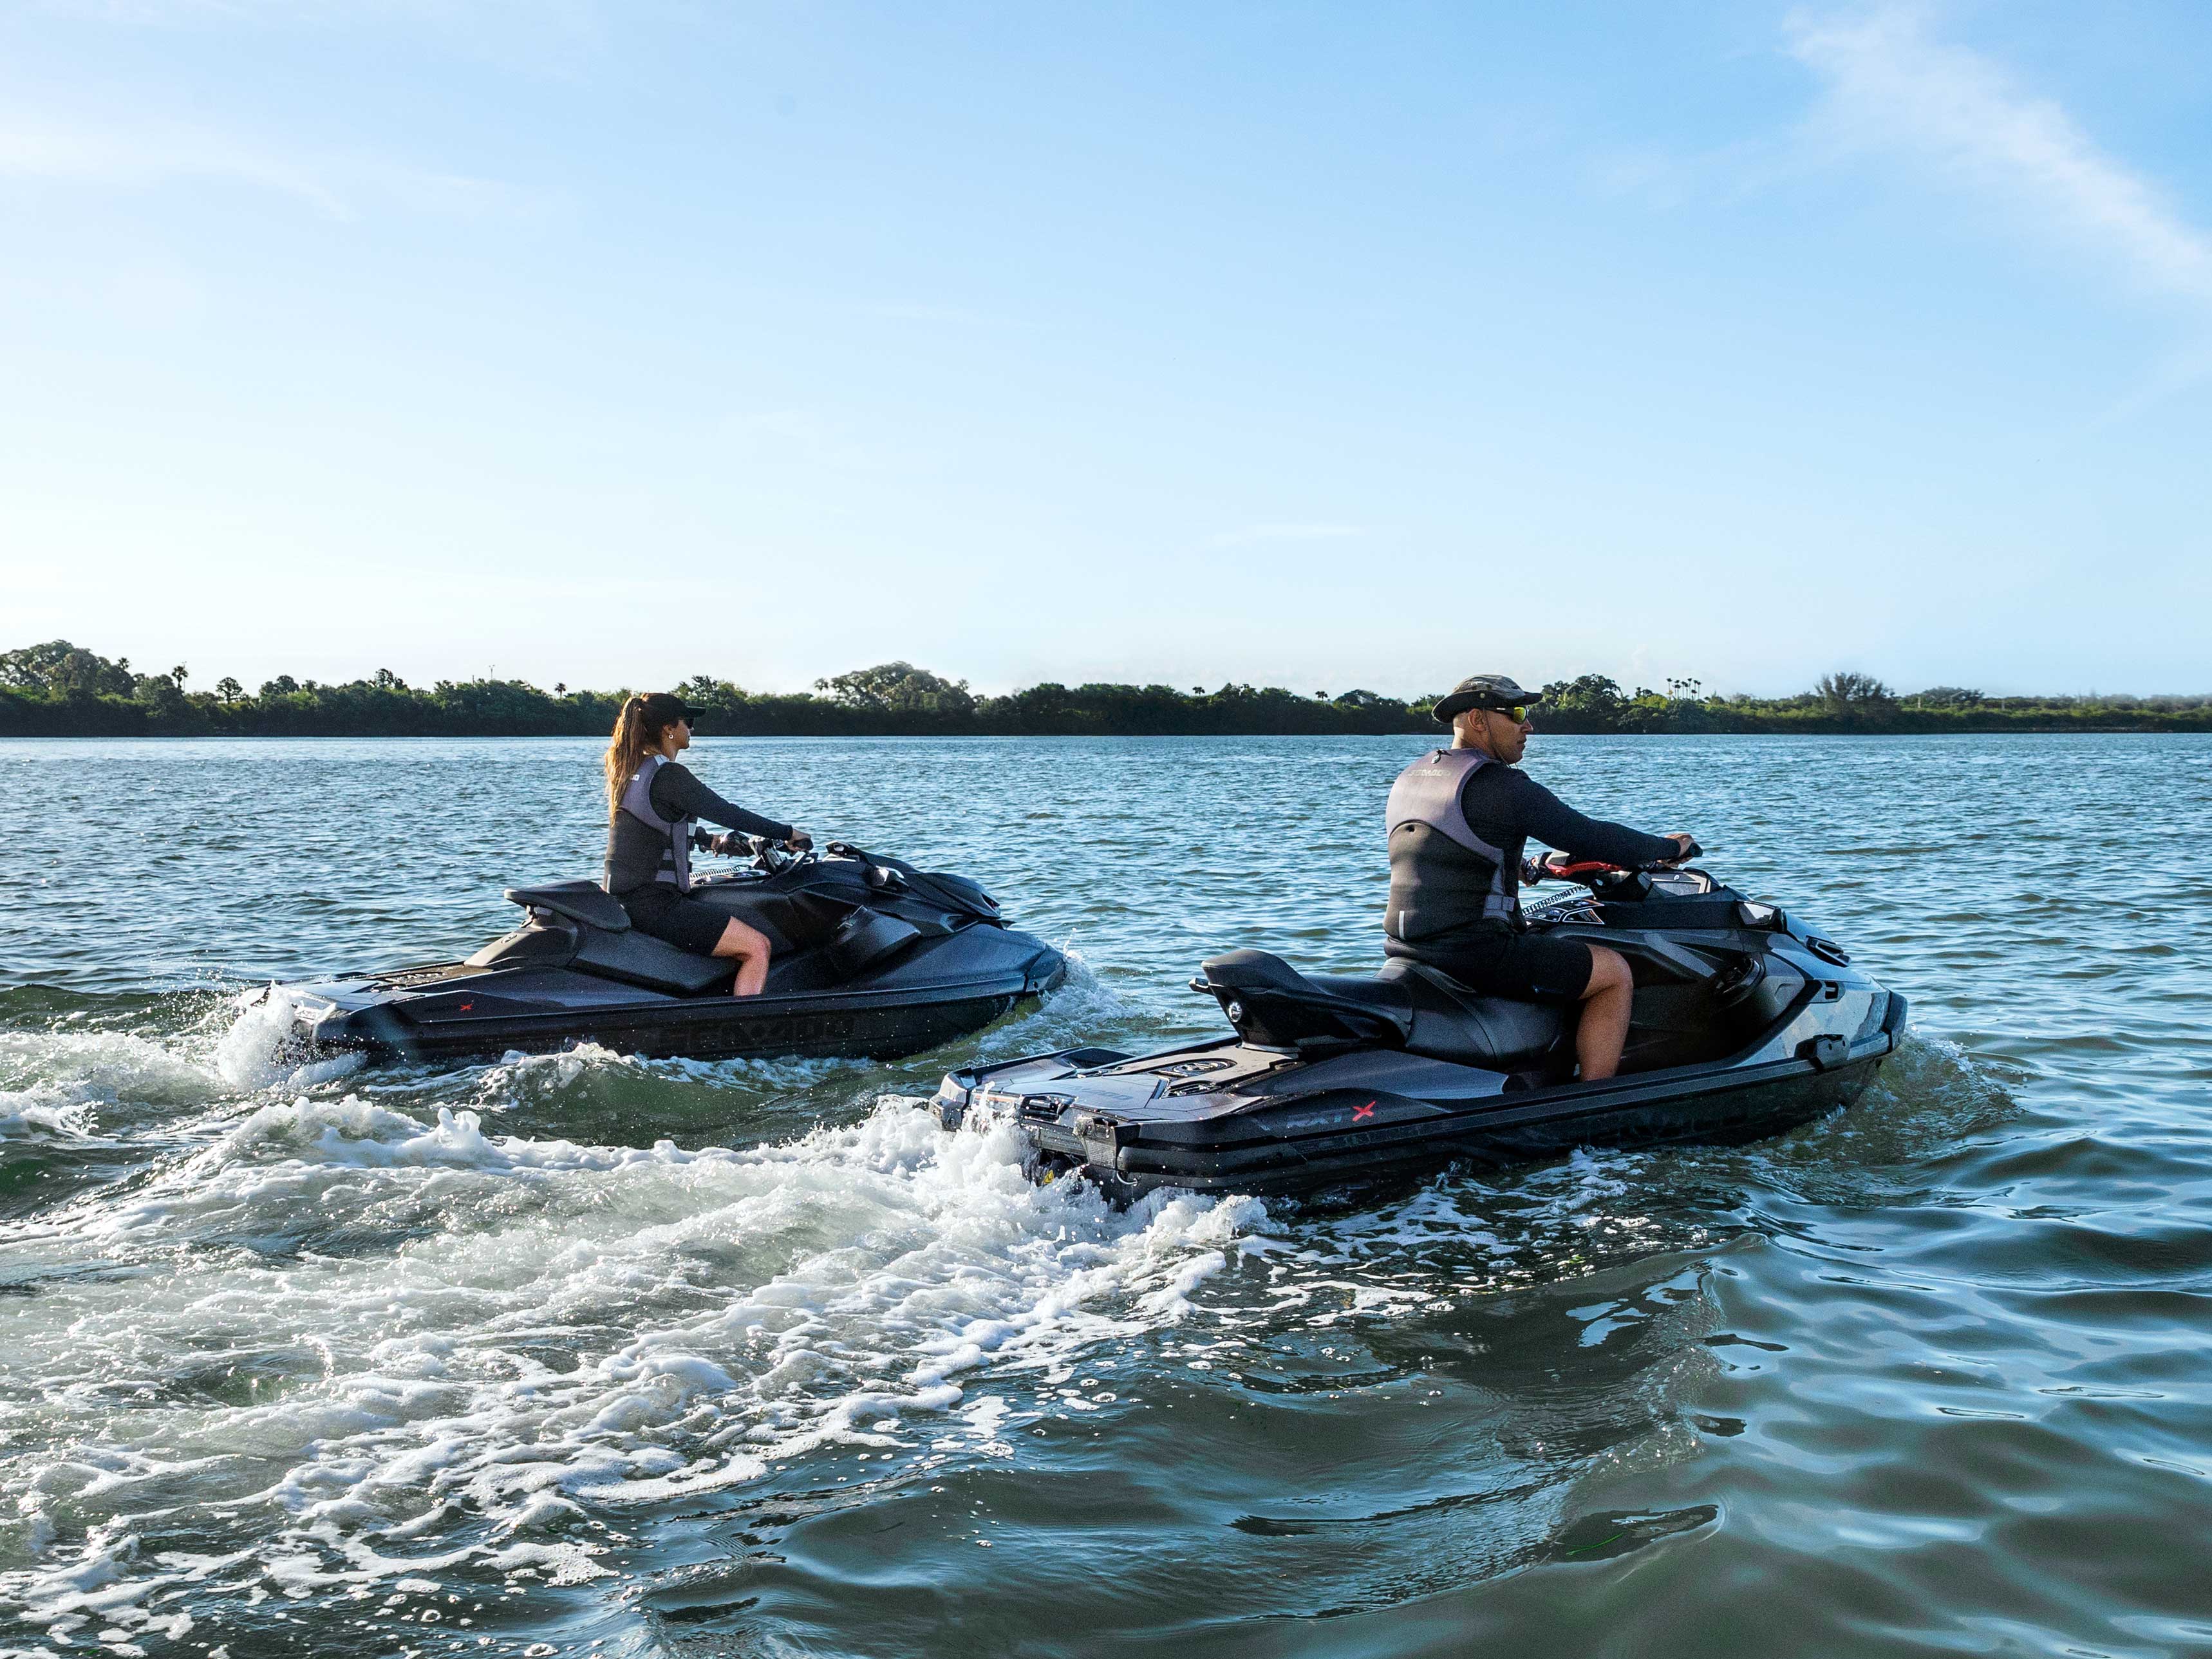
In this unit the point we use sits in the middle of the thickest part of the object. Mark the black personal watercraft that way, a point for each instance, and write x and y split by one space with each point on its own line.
1746 1021
873 959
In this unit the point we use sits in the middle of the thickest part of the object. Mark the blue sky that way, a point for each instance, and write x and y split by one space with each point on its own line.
1314 345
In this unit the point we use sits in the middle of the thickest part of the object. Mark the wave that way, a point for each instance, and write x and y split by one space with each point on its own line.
564 1328
258 1052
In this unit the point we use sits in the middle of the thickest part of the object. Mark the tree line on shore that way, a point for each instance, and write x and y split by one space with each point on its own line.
59 689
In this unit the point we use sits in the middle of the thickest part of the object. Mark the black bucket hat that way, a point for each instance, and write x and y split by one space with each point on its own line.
1499 691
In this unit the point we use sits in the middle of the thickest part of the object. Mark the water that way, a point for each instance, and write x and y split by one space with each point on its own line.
577 1354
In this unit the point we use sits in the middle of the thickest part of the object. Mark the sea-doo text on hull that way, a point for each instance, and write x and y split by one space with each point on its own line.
873 958
1745 1022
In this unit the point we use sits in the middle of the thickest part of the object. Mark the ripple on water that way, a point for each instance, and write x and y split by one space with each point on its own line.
701 1358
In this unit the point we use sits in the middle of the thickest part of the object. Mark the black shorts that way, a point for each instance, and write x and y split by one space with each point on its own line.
675 919
1527 967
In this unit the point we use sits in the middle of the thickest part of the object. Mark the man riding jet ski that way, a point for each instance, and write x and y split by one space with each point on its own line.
1703 1014
1459 819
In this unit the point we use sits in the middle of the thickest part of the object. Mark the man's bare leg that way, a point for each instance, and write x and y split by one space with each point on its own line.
750 948
1603 1032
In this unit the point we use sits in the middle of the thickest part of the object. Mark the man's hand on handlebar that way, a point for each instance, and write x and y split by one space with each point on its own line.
1542 868
1688 843
799 841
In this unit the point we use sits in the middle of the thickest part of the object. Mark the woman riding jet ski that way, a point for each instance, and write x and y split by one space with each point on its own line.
653 809
840 953
1702 1014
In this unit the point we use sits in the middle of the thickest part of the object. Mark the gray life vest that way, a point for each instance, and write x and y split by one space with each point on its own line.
642 847
1445 880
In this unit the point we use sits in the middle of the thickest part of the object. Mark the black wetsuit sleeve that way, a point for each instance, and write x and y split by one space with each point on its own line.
677 794
1529 809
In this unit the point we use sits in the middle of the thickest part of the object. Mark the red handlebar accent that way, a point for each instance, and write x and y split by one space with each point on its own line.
1585 867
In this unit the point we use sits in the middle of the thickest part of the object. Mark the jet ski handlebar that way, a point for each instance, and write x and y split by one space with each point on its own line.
772 857
767 856
1590 871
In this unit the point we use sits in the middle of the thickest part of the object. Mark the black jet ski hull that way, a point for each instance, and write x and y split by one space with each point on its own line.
1350 1137
1746 1023
747 1029
872 959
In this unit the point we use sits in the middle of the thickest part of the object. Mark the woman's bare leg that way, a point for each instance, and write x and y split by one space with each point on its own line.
749 946
1602 1031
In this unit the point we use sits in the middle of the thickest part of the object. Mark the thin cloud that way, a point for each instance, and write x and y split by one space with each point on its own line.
126 156
556 38
576 14
1889 85
64 153
1253 534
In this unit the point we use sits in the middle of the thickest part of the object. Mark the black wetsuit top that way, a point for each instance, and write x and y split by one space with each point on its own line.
677 793
1506 806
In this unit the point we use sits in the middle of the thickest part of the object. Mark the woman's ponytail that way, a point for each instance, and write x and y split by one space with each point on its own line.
625 750
644 717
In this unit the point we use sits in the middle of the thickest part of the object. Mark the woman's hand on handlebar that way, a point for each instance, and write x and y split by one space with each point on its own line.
1687 842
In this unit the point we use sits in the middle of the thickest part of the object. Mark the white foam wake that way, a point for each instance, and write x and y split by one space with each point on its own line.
259 1052
568 1331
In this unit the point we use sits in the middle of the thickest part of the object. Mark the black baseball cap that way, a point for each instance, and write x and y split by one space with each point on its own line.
660 708
1499 691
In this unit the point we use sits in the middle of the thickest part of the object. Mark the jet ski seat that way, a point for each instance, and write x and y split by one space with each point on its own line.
1452 1022
606 944
1406 1005
579 901
640 959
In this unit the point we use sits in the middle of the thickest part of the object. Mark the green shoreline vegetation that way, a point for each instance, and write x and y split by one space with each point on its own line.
59 689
